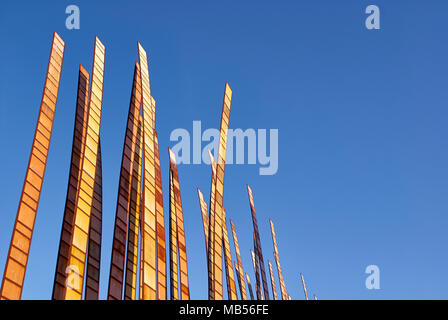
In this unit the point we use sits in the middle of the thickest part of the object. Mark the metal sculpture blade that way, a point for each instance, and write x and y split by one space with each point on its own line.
84 199
240 273
124 202
79 135
283 291
22 234
257 244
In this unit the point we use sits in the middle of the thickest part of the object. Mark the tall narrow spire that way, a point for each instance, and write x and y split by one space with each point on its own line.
178 231
19 248
85 195
257 243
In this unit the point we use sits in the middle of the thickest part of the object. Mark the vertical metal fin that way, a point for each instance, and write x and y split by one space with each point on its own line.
183 267
271 273
117 265
258 250
240 273
304 286
257 275
149 185
160 226
95 233
134 217
84 198
249 286
79 135
215 245
174 279
230 278
277 262
19 248
205 218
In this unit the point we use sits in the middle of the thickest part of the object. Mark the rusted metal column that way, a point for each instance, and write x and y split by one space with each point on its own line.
16 262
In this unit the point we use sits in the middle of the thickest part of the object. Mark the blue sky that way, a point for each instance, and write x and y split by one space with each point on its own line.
361 114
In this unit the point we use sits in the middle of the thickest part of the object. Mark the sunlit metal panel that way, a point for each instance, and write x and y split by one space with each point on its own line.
174 277
215 245
205 218
283 291
183 267
79 134
19 248
149 271
271 273
240 273
256 266
230 278
249 286
304 287
95 233
258 250
211 230
84 198
134 217
120 236
160 227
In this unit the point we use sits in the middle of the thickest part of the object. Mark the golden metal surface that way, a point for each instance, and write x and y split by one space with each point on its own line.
134 217
149 261
95 231
215 233
205 218
160 227
283 291
174 278
249 286
271 273
16 262
257 244
179 228
84 198
79 135
304 286
239 266
211 230
124 201
230 278
257 275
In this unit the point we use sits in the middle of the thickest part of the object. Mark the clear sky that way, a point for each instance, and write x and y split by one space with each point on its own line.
363 151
